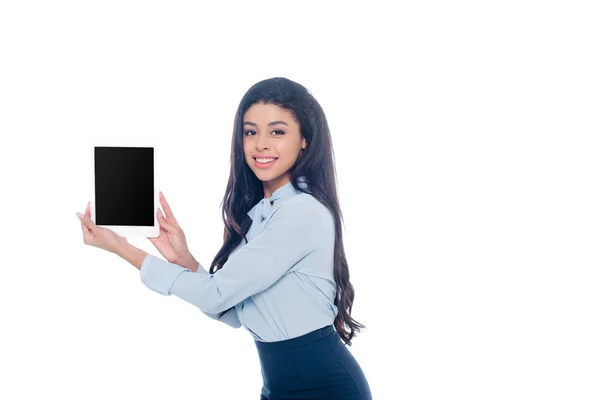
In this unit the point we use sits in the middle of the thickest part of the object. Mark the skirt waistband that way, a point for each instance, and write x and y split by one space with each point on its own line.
268 347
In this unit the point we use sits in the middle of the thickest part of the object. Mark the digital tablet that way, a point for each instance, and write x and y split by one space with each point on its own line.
124 190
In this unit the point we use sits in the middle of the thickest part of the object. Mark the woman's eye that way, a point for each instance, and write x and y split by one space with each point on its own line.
276 130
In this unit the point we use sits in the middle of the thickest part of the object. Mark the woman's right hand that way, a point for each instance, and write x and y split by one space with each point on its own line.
171 241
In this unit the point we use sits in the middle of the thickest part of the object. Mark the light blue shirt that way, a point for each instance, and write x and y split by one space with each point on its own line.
279 285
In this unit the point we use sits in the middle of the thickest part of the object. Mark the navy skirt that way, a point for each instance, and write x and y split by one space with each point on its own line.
316 365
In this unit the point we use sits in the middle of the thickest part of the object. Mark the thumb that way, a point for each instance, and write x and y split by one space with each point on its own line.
87 222
164 224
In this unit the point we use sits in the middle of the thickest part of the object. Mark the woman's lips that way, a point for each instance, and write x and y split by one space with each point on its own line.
264 165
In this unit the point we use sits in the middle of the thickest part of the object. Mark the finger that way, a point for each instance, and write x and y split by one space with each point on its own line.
87 211
164 223
85 230
87 222
168 211
88 236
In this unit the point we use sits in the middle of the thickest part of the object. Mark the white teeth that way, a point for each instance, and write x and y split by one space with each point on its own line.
265 160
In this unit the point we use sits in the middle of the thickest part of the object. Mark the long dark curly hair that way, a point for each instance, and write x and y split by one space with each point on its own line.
316 164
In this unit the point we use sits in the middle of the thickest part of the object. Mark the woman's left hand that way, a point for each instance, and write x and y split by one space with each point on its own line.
96 236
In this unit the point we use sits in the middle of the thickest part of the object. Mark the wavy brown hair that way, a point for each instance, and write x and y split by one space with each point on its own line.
316 164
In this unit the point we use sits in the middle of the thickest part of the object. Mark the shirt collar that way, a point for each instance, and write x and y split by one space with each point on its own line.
263 208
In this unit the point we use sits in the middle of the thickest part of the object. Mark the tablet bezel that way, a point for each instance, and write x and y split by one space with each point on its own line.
125 230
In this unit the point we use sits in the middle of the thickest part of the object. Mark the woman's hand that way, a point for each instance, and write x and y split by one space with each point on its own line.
171 241
96 236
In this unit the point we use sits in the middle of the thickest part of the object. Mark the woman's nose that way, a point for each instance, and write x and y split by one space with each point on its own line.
262 142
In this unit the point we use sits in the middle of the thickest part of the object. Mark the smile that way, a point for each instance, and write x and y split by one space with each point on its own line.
264 162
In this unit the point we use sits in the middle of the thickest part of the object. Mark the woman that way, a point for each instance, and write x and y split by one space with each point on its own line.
282 271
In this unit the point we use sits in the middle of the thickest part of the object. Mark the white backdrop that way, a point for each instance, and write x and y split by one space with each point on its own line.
466 144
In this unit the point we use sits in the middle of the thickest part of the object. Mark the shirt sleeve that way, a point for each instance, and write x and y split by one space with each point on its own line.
292 232
228 317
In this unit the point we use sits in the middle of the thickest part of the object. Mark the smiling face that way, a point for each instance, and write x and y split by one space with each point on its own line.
271 131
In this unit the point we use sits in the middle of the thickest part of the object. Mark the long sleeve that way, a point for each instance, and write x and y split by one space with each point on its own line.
292 232
228 317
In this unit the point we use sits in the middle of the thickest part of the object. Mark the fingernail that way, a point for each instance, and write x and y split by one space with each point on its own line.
80 216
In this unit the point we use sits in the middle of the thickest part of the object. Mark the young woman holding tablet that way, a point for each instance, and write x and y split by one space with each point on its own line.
282 271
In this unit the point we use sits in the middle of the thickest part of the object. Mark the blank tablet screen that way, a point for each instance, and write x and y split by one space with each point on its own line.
124 182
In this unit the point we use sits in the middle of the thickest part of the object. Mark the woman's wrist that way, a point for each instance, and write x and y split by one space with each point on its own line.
132 254
188 262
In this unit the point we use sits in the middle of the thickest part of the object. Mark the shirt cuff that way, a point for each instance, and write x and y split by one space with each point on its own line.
159 275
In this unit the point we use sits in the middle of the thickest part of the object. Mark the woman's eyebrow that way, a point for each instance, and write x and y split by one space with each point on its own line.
269 124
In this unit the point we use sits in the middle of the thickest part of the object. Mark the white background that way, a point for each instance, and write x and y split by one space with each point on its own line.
465 136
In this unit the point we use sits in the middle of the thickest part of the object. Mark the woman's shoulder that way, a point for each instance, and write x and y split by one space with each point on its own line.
305 205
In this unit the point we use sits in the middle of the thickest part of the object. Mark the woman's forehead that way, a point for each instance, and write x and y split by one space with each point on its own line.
266 113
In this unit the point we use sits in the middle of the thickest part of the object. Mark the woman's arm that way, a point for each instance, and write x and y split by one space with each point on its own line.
294 231
136 257
228 317
132 254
